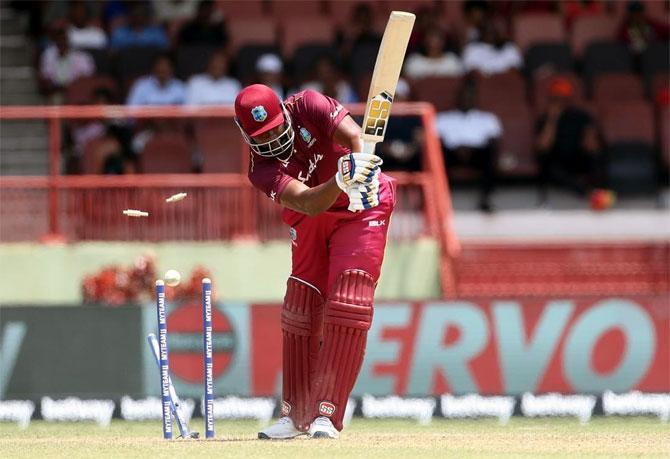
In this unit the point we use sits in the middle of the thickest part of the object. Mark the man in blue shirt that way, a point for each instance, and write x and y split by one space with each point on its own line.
159 88
139 32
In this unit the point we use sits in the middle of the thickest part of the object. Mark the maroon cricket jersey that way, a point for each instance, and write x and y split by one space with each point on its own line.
315 118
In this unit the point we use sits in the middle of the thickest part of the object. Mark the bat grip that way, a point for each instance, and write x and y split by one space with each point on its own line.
369 147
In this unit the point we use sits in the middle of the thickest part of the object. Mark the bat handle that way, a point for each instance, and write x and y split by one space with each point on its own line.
369 147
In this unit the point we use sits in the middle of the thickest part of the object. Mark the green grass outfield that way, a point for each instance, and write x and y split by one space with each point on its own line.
377 439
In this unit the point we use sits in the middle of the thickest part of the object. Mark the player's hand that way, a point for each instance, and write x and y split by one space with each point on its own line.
356 168
364 196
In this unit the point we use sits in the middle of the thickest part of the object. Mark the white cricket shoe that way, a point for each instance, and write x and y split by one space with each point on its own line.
283 429
322 427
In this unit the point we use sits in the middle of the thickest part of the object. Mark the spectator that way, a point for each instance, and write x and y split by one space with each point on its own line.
567 143
327 80
433 59
359 30
215 86
159 88
269 68
204 29
470 138
60 65
491 55
638 31
139 32
82 32
170 10
402 147
476 14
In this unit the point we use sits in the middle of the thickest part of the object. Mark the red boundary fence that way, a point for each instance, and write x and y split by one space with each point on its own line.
86 198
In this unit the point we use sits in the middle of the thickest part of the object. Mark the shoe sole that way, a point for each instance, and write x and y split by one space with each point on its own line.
320 434
264 436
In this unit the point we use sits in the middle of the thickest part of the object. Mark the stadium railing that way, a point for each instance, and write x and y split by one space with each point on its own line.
221 206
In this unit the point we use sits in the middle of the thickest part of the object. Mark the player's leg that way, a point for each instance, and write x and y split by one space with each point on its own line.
356 254
302 324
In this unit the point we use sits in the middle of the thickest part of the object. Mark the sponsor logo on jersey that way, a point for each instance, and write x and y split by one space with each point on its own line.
377 223
259 113
312 167
293 234
273 195
285 408
326 409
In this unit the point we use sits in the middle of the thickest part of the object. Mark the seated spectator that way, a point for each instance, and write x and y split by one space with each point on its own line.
358 31
159 88
138 32
470 138
433 60
214 87
492 55
327 80
269 71
204 29
82 32
637 30
60 65
567 144
403 144
170 10
476 14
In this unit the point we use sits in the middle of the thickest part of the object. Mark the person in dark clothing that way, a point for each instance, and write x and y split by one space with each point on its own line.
204 29
568 144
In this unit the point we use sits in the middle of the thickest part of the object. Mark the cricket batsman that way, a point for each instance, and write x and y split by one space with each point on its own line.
307 157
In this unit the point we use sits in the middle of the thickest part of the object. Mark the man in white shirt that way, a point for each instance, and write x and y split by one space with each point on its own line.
433 60
82 33
470 138
269 71
213 87
492 54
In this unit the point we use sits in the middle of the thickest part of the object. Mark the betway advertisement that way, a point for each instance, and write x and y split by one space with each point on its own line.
429 348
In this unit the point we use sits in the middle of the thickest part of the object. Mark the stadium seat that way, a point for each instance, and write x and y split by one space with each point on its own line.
440 91
658 81
192 59
632 168
631 120
300 30
245 62
536 28
166 153
296 8
655 60
605 57
219 143
242 8
505 88
541 86
589 29
617 86
135 62
548 57
82 90
258 31
306 55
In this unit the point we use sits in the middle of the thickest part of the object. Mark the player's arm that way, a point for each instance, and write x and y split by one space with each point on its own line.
348 134
311 201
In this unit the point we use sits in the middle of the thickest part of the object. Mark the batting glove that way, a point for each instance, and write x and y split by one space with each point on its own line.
364 196
356 168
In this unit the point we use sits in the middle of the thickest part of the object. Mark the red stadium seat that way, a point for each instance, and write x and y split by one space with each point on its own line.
82 90
166 153
233 9
589 29
219 142
534 28
296 8
258 31
617 86
627 121
505 88
299 30
440 91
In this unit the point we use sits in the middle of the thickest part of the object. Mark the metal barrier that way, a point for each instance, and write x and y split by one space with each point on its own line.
221 206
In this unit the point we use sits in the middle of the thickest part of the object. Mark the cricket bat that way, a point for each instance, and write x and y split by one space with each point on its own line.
385 78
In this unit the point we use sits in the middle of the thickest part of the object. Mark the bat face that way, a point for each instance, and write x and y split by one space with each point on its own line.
385 77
